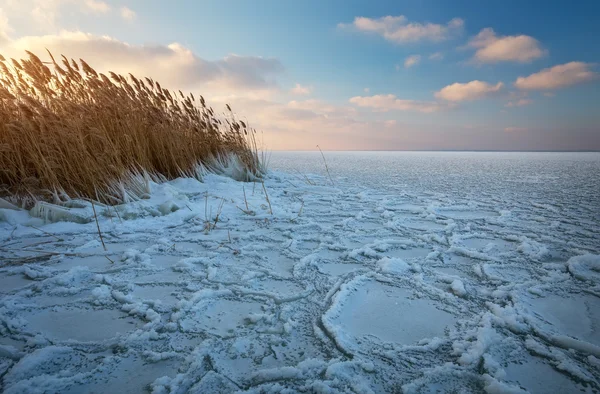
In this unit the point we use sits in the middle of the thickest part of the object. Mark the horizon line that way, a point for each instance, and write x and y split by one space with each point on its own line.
440 150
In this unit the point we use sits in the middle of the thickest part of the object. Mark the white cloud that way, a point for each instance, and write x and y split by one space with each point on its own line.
390 123
515 129
97 6
436 56
173 65
468 91
322 107
367 90
45 15
399 30
389 102
412 60
301 124
519 103
493 49
301 90
558 77
5 28
127 14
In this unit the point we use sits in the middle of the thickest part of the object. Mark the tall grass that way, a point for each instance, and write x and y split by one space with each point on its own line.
69 131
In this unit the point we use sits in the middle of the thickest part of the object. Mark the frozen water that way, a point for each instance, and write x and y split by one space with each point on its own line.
79 324
220 317
376 311
414 272
411 253
576 315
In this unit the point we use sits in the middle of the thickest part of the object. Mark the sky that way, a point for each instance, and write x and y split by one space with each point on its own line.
349 75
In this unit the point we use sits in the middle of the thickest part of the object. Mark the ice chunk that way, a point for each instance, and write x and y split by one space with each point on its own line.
585 267
458 288
392 266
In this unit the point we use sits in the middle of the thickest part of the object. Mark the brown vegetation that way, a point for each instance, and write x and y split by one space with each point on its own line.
69 131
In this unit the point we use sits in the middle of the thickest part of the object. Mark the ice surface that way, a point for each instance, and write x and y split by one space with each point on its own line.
575 315
416 272
379 312
79 324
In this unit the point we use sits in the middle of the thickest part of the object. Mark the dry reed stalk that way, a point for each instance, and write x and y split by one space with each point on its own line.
218 213
98 226
326 167
245 200
267 197
69 131
45 232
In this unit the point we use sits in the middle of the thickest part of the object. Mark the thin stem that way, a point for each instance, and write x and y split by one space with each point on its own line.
98 226
326 167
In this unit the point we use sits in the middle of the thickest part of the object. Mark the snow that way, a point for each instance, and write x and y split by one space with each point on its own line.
393 266
586 267
458 288
417 272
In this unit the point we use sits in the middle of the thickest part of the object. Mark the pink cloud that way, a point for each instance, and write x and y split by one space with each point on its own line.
558 77
519 103
412 60
493 49
399 30
389 102
468 91
301 90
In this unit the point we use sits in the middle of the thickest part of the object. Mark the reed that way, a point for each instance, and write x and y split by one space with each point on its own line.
68 131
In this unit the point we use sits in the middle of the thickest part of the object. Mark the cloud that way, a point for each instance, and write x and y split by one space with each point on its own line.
301 123
44 15
173 65
127 14
515 129
97 6
468 91
390 123
493 49
301 90
323 108
412 60
558 77
5 28
519 103
367 90
436 56
389 102
399 30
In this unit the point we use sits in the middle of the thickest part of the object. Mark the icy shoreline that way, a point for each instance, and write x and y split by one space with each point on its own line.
339 289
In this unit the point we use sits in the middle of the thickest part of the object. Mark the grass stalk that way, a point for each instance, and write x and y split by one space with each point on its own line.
267 197
245 200
326 166
98 226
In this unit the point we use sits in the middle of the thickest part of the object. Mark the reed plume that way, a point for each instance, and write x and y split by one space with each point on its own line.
69 131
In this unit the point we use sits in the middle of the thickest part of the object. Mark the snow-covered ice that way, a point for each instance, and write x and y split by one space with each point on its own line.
413 272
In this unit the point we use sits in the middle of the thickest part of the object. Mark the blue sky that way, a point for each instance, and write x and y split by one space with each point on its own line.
355 87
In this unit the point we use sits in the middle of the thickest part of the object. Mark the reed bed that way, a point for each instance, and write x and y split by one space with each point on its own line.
68 131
